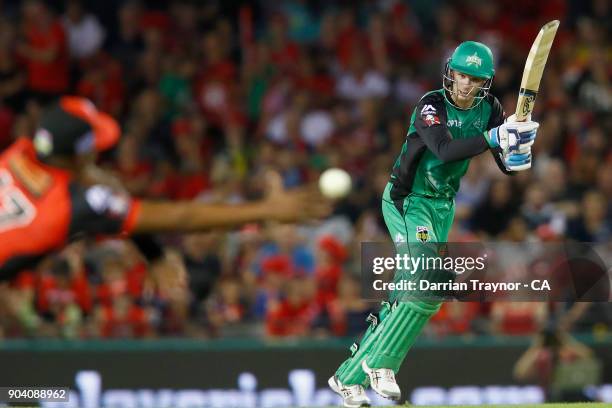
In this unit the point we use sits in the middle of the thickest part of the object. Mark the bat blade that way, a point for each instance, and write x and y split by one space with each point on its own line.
534 67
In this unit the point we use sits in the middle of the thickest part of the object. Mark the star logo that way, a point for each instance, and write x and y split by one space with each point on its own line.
474 60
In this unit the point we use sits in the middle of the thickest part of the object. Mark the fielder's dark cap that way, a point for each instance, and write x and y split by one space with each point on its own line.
74 126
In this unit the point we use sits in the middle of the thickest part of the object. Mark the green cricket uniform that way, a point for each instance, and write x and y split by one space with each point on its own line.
418 206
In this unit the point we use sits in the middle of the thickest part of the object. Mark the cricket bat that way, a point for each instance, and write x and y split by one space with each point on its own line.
534 67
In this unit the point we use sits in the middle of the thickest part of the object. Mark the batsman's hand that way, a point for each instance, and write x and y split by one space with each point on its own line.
512 136
518 161
300 204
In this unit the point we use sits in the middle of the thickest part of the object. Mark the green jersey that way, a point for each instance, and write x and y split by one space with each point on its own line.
440 142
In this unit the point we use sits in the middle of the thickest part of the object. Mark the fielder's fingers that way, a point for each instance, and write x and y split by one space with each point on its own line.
310 193
274 182
315 205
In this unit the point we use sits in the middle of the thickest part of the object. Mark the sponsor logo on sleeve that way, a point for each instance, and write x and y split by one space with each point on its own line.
103 200
428 110
431 120
429 114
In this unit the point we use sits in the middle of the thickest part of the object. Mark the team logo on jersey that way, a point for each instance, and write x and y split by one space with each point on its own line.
473 59
103 200
422 233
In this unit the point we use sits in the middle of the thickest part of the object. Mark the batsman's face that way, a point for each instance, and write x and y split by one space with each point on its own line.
466 87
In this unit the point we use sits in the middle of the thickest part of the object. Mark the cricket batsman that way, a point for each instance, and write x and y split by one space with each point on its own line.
448 127
51 193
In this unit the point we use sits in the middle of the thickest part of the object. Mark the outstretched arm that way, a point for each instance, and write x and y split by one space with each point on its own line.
100 209
279 205
188 216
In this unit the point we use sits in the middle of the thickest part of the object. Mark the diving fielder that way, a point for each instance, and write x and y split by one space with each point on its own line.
51 193
448 127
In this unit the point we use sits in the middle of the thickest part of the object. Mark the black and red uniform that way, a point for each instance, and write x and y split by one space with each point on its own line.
42 208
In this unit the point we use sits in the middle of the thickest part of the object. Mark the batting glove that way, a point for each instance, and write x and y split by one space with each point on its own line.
513 136
518 161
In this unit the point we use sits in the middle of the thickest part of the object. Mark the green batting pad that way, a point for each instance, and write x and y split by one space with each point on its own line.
399 334
390 316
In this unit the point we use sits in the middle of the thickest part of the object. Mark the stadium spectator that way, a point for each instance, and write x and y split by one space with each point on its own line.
44 47
85 34
12 81
294 315
345 314
562 366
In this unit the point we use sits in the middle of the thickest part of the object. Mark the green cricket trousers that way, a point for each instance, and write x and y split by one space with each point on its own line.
416 224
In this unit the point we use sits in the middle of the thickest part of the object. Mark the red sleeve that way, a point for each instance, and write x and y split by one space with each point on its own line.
130 220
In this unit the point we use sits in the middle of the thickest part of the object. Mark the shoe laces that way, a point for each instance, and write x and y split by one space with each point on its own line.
352 390
384 374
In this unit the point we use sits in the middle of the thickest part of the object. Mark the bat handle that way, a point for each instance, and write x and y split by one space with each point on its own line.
525 103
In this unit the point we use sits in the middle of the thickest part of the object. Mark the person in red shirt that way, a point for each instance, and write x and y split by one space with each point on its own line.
293 316
51 192
45 51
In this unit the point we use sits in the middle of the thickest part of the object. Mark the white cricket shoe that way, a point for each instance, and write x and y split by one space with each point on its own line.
382 380
353 396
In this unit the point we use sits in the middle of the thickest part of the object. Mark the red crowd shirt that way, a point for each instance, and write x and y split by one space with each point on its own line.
50 76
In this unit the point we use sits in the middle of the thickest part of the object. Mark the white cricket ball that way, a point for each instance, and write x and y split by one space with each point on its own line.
335 183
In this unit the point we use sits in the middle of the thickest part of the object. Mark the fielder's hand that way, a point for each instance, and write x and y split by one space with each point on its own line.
294 205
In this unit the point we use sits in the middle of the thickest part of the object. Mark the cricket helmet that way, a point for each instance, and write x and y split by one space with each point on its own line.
474 59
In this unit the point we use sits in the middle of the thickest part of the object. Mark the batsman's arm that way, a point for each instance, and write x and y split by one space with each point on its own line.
437 138
430 123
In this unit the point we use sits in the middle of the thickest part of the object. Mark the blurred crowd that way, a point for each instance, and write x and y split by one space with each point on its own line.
211 94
